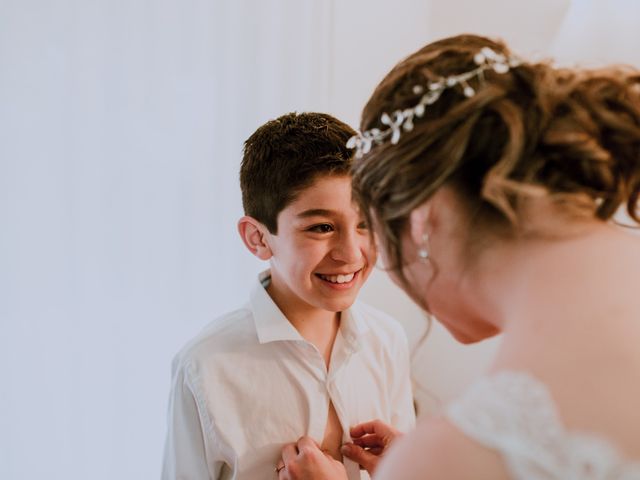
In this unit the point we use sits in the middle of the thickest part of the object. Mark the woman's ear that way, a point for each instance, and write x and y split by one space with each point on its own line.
253 235
420 223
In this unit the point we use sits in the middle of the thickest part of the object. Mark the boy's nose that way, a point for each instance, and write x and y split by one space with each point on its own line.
348 249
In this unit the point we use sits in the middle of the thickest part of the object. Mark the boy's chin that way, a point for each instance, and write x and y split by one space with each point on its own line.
339 305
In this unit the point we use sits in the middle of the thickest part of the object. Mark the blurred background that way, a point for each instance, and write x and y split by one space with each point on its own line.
121 129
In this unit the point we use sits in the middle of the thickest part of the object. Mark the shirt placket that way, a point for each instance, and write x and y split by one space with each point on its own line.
337 375
328 388
319 401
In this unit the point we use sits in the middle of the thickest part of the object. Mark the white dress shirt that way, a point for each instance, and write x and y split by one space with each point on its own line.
249 383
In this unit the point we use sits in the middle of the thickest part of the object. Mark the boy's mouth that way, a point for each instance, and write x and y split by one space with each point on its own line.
339 279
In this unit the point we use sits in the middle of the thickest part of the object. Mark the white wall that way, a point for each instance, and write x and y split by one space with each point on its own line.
121 126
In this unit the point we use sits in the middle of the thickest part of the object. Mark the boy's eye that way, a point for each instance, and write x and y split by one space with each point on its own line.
363 225
321 228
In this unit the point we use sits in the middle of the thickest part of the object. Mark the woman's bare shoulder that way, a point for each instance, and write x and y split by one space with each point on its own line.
436 449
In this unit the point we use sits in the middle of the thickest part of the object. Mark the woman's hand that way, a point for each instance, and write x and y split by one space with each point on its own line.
371 441
304 460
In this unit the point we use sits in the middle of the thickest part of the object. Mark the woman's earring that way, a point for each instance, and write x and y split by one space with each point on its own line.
423 253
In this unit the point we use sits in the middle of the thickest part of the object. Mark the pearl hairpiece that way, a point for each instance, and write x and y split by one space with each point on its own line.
399 120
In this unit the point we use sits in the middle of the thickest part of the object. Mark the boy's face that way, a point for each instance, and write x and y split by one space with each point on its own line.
322 253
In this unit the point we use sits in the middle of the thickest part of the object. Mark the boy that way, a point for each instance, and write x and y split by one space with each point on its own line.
298 359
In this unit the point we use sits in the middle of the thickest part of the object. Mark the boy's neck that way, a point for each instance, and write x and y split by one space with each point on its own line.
315 325
320 332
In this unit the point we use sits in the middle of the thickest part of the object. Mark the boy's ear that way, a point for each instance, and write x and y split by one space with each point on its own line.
252 233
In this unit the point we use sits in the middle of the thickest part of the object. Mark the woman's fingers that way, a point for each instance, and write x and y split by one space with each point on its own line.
374 427
369 441
307 445
289 452
304 460
364 458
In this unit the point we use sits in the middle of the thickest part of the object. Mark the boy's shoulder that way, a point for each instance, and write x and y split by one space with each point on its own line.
226 332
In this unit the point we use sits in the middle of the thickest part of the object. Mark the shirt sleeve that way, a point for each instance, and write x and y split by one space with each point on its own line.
403 414
185 453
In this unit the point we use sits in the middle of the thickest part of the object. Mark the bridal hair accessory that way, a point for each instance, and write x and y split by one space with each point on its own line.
485 59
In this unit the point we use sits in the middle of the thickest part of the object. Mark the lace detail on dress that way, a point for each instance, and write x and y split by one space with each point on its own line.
514 414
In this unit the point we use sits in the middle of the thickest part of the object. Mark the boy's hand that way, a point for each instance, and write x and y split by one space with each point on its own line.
304 460
371 440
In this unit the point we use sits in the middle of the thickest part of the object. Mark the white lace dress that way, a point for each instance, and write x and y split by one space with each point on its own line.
514 414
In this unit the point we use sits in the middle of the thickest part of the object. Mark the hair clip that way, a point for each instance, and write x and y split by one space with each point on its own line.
402 120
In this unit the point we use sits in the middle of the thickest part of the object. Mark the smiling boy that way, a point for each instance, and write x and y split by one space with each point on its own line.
300 358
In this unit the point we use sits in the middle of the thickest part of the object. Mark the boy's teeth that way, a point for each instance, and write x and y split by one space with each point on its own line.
338 278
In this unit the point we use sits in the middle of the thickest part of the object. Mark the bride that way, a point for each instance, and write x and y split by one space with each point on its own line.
491 184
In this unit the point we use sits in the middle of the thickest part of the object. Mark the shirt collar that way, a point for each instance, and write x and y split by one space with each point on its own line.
272 325
353 326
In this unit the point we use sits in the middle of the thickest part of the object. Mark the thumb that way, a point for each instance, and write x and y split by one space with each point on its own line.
365 459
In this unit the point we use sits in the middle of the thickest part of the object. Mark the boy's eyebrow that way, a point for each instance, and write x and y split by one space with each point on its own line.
315 212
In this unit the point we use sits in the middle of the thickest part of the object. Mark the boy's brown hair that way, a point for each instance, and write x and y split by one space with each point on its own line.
286 155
